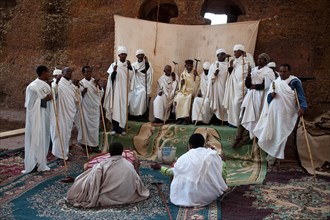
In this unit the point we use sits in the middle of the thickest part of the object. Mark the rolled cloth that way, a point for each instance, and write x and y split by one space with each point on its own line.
139 51
265 56
57 72
239 47
271 64
121 49
206 65
221 50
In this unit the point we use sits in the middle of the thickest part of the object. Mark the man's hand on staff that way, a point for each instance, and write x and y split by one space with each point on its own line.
48 97
216 72
300 112
129 65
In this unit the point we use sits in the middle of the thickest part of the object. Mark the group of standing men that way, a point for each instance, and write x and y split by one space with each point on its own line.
234 90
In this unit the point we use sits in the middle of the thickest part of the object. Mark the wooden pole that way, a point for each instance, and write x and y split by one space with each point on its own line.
105 142
305 133
82 122
243 77
127 109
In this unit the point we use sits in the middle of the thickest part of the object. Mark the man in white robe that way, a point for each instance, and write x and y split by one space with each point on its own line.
279 114
143 77
57 74
201 110
235 89
66 108
272 65
197 174
37 129
218 77
258 82
118 88
114 181
90 105
188 88
167 85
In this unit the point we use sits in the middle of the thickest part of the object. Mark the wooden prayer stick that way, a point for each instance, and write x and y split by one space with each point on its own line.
305 133
243 77
127 109
105 142
163 199
82 121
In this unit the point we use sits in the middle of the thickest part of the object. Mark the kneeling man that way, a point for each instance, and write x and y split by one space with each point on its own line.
111 182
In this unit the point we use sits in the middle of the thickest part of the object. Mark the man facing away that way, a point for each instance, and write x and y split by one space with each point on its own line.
92 94
201 110
37 127
117 91
198 175
280 113
143 77
111 182
167 85
235 90
189 85
66 109
218 77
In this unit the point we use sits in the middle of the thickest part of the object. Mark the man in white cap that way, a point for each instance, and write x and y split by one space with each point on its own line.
167 85
118 88
257 81
218 76
143 77
189 85
235 90
66 107
201 110
37 134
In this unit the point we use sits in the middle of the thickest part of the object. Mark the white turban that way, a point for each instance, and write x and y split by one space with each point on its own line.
57 72
221 50
206 65
239 47
121 49
271 64
139 51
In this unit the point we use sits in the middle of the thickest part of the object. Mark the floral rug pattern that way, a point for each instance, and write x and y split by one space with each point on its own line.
303 198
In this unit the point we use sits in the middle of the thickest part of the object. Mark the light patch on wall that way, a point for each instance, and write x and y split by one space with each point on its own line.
216 18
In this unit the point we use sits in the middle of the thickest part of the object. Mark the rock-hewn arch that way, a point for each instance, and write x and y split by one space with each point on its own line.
167 10
231 8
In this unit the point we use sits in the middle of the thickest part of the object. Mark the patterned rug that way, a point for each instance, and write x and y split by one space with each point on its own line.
42 196
245 165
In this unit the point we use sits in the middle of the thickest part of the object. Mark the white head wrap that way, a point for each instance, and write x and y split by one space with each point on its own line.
121 49
271 64
206 65
221 50
57 72
239 47
139 51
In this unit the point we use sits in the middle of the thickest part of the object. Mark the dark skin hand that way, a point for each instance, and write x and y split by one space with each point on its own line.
155 166
48 97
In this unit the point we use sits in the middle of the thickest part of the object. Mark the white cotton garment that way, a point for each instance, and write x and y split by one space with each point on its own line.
37 127
197 178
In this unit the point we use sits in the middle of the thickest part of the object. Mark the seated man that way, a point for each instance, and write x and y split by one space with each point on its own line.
111 182
197 175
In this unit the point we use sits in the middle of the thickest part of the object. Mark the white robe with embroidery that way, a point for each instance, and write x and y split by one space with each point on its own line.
137 103
116 93
37 127
206 113
216 89
90 105
233 97
254 99
277 119
197 178
66 108
162 104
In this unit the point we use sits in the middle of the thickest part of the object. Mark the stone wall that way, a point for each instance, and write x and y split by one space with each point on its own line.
79 32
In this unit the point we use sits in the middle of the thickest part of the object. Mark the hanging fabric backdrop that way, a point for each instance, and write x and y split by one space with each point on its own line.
164 43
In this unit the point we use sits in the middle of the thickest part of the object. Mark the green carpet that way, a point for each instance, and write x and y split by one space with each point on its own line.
243 166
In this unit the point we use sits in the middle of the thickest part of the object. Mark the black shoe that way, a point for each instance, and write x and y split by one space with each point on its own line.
179 121
185 122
